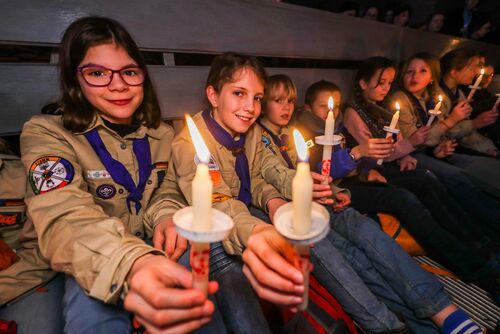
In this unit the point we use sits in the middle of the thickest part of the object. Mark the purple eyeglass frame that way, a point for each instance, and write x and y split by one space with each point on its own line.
80 68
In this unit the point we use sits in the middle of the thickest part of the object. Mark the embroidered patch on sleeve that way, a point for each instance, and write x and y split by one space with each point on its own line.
161 165
11 218
266 140
49 173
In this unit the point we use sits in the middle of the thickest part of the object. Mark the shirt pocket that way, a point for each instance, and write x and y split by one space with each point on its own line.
232 181
111 196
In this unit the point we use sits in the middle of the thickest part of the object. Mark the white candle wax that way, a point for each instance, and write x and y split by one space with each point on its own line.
394 122
202 188
438 106
435 111
395 119
302 189
476 85
327 149
202 185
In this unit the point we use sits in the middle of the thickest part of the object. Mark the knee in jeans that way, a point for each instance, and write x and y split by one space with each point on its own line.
407 198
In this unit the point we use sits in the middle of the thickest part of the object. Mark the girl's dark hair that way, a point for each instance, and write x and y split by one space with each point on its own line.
366 71
316 88
401 9
225 66
274 83
77 112
431 16
477 21
456 59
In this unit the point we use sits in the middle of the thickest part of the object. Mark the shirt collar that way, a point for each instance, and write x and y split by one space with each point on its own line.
139 133
269 126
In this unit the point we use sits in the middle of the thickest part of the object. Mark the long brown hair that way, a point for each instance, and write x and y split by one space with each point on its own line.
457 59
366 72
77 112
224 67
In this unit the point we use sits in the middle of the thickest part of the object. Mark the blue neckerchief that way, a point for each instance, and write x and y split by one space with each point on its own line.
452 96
119 173
238 150
282 143
424 115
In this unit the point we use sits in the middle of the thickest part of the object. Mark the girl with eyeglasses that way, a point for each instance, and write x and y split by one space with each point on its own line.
96 174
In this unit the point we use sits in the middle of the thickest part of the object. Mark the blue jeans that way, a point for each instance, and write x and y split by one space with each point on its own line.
84 314
38 312
336 274
481 206
236 301
388 270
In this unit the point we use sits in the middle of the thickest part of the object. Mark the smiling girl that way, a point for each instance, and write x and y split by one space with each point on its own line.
95 165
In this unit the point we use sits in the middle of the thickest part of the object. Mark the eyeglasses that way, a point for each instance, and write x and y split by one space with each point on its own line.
100 76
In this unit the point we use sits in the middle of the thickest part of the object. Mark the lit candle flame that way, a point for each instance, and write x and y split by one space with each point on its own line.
397 106
482 71
440 98
300 145
200 146
331 104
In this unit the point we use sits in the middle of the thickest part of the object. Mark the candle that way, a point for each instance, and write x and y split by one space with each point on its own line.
476 85
201 189
202 183
330 120
302 188
394 123
395 118
435 111
327 149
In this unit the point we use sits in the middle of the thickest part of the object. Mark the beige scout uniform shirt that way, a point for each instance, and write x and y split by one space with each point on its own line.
409 117
269 143
464 131
80 214
279 175
31 269
226 182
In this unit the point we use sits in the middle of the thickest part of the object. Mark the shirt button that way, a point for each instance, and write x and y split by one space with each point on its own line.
150 182
123 146
120 191
113 288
